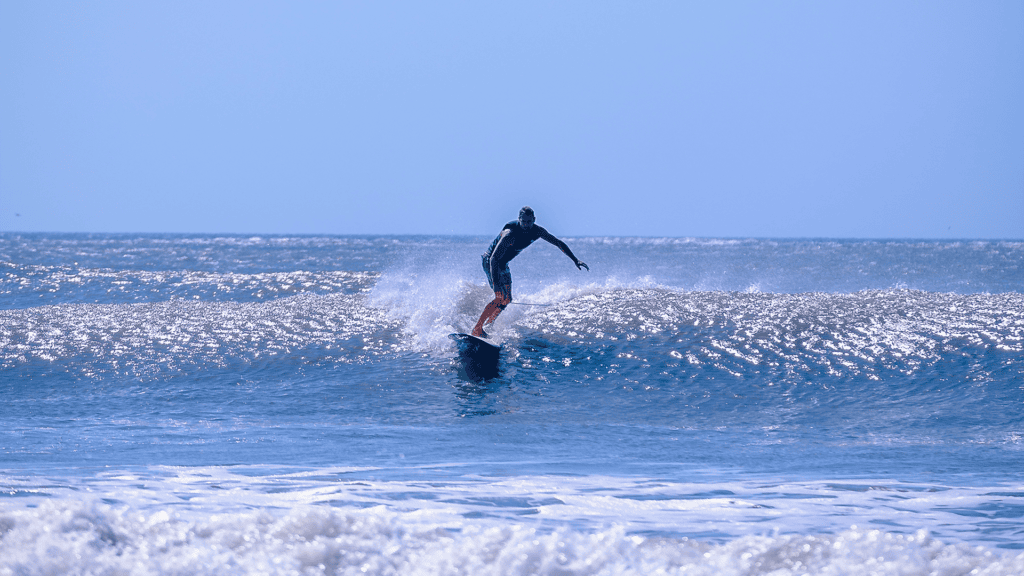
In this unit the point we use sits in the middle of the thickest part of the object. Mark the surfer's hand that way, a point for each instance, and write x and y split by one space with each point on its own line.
580 265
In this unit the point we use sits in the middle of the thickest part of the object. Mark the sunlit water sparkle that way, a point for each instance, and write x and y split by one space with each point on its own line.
229 404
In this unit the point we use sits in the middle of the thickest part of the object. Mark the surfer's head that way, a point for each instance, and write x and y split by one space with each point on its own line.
526 217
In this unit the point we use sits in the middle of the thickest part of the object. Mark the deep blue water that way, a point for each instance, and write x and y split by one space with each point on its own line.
228 404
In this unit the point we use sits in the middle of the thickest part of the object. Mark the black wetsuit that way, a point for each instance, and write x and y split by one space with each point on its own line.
520 237
496 265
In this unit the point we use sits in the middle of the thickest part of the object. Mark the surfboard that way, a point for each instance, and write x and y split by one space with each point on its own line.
469 343
478 358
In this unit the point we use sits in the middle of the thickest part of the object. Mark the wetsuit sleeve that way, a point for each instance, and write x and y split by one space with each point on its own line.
497 239
502 243
558 244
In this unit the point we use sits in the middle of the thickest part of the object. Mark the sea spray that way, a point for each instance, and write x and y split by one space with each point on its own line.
237 404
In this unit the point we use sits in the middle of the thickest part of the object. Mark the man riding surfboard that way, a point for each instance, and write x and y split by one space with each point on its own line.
514 237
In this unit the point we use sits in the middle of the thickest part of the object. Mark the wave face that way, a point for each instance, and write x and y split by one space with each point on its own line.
210 404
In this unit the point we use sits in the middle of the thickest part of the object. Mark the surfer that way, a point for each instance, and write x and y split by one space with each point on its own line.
514 237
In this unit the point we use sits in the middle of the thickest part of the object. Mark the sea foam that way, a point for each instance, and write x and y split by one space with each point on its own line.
72 537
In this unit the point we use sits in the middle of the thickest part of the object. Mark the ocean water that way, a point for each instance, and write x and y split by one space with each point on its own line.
201 404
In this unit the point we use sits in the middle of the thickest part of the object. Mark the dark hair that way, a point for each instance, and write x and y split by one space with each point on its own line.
526 210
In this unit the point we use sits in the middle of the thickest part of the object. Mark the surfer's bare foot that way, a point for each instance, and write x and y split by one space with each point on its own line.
480 334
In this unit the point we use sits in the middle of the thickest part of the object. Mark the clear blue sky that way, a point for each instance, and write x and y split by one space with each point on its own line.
725 119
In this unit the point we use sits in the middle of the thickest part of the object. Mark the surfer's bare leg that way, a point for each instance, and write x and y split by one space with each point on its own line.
501 282
491 311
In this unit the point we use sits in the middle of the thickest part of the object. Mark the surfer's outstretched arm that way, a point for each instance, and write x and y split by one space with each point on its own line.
564 248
